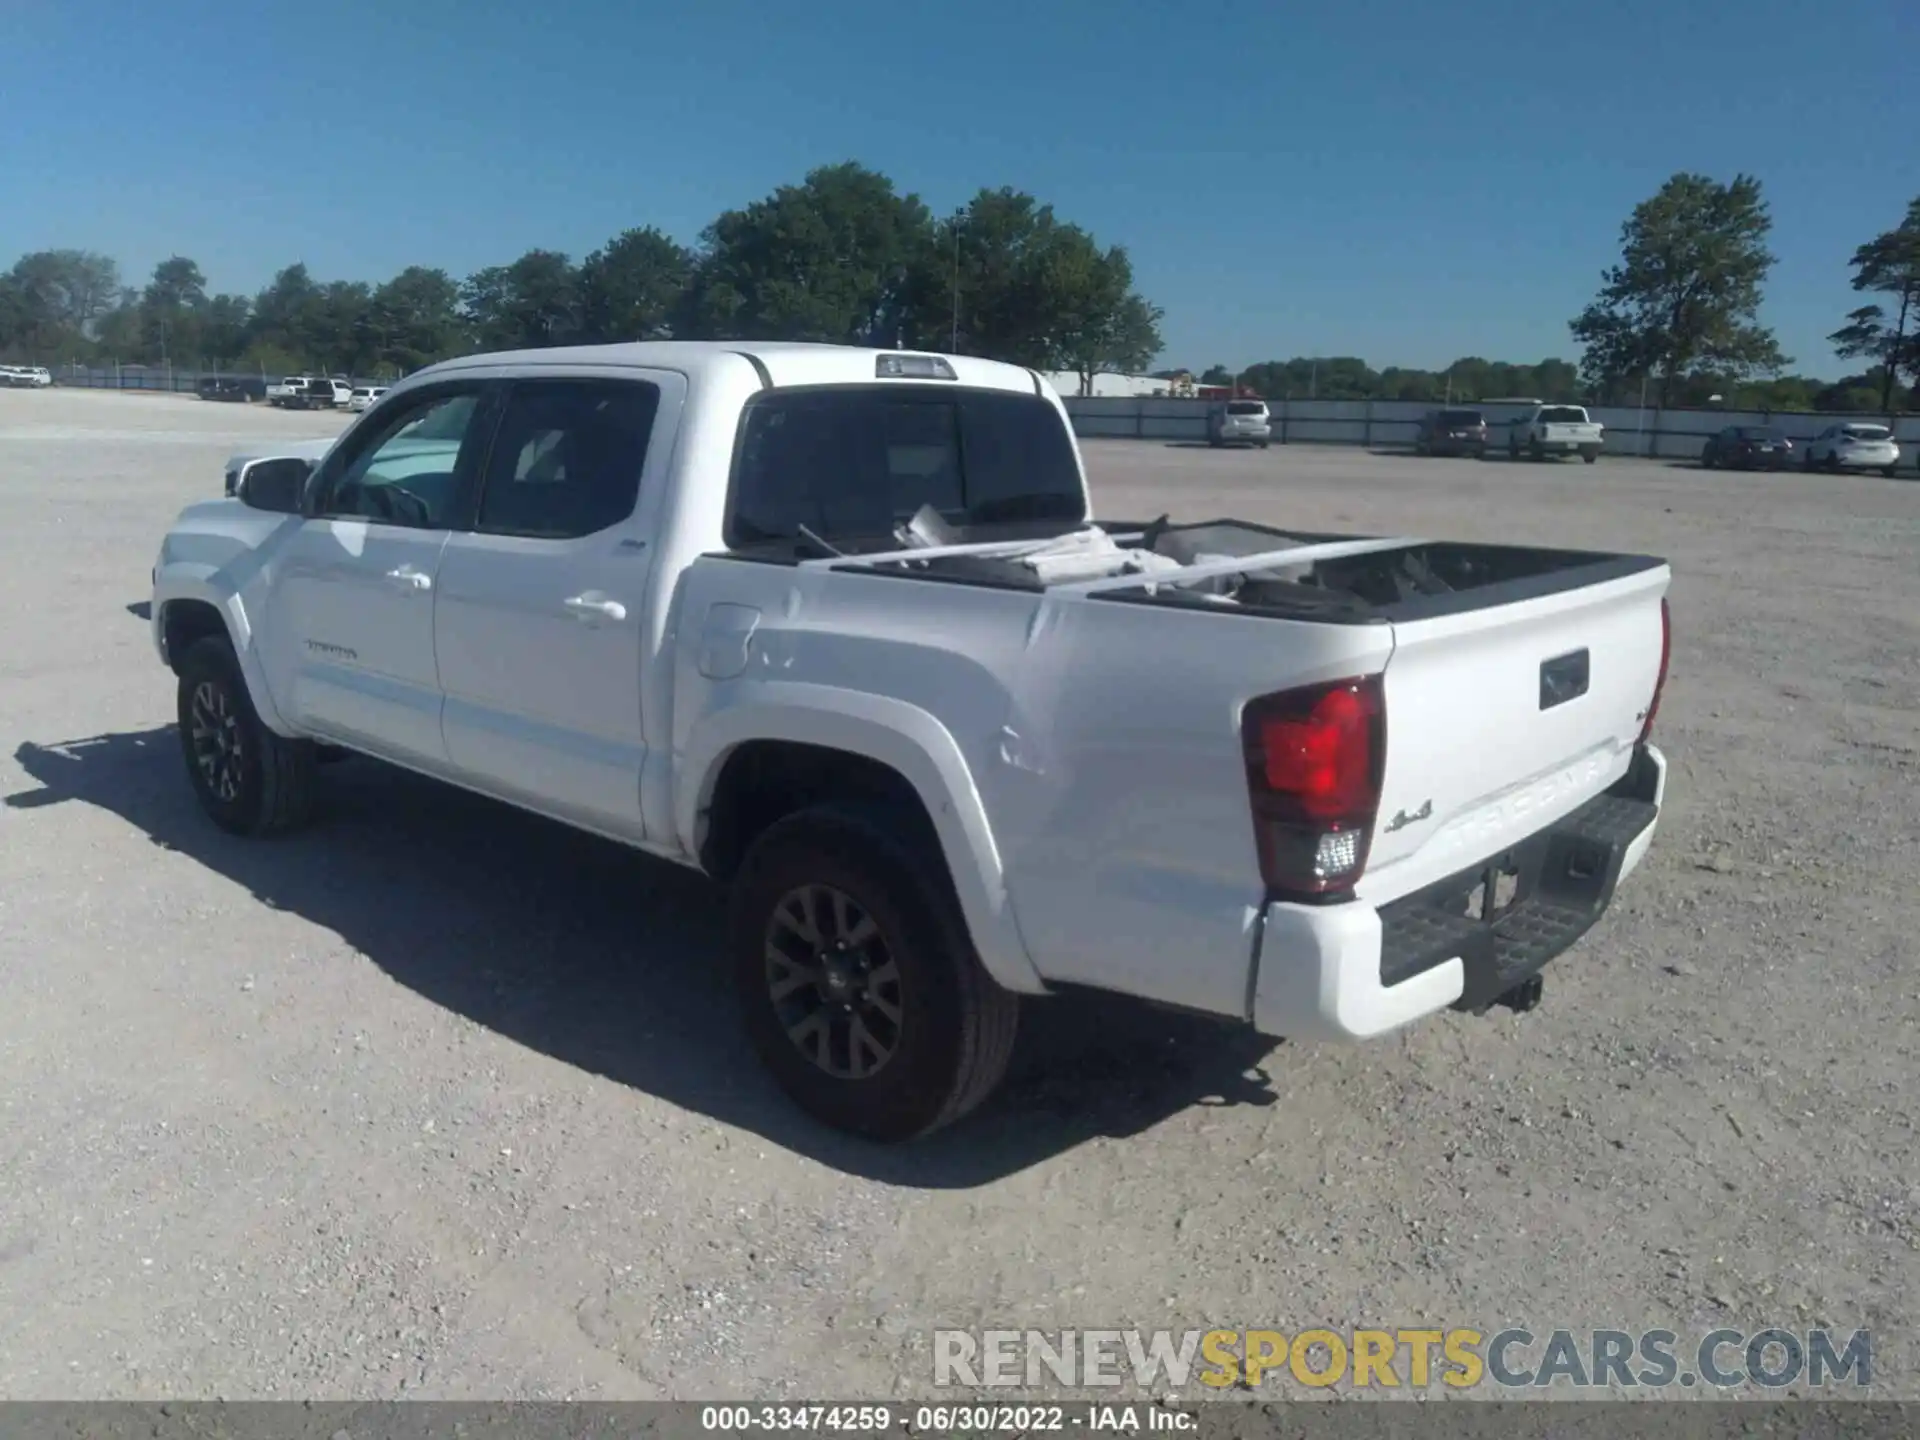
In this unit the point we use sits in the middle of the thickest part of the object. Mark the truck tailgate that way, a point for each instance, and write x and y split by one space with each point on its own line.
1568 433
1504 719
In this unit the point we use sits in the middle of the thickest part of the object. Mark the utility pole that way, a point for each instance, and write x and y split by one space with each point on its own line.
953 340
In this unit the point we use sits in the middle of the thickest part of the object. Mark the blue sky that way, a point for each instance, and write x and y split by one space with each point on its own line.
1404 181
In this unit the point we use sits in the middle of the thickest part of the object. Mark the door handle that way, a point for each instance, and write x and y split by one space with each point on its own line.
595 606
408 578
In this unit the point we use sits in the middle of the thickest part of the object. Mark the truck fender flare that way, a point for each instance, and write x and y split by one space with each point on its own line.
902 737
201 583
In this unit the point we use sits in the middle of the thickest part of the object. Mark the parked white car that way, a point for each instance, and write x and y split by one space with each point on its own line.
1555 430
363 397
1239 422
1854 445
836 627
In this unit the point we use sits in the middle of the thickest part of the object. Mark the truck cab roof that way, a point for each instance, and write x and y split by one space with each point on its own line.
781 364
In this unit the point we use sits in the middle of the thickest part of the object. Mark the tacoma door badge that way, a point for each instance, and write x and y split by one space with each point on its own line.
1403 819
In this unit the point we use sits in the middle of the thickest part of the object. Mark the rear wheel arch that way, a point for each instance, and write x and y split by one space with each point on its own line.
761 782
745 768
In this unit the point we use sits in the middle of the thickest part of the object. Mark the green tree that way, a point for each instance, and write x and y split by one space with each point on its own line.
1216 375
338 335
170 311
286 320
530 304
1888 264
223 328
1007 280
633 287
1686 294
830 259
413 320
60 296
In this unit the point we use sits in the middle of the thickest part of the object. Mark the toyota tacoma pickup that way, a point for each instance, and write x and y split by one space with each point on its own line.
838 627
1555 430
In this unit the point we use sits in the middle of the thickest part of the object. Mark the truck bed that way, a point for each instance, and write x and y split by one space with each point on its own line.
1249 568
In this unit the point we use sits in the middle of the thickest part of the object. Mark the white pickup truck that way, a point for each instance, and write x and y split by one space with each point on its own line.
836 627
1555 430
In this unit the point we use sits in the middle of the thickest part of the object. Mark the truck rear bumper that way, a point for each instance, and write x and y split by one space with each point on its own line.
1351 971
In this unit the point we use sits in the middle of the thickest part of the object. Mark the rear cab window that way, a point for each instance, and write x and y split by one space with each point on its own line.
853 463
1563 415
1246 407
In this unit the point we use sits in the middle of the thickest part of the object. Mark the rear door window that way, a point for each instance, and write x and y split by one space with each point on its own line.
566 459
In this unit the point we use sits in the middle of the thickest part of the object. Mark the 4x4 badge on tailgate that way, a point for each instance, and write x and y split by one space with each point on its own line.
1403 819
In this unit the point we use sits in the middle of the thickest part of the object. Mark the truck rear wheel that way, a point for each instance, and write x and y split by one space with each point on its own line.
249 780
857 984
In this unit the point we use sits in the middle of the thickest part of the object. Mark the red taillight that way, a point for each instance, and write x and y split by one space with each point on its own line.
1314 761
1660 680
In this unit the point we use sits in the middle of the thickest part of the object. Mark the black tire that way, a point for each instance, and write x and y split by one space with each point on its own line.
263 784
1889 470
1708 459
1589 459
1265 443
954 1028
1535 452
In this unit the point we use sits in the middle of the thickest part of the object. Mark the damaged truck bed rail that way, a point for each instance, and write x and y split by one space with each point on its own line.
1241 566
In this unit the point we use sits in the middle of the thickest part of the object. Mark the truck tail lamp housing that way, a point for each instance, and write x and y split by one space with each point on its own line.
1659 680
1315 757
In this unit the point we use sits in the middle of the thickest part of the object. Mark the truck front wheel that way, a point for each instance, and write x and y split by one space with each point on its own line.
250 781
857 984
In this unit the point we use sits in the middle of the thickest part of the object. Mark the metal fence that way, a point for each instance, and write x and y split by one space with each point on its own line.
1668 434
167 379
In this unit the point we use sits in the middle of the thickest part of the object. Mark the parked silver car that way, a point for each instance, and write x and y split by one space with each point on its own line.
1853 446
1239 422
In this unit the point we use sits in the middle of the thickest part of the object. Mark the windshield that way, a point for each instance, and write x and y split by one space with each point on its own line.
1563 415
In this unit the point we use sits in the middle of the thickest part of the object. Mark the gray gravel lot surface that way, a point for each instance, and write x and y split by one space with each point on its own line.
439 1100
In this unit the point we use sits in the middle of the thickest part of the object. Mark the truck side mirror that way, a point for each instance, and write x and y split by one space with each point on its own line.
274 485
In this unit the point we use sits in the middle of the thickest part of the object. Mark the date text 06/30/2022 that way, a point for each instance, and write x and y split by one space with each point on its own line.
943 1419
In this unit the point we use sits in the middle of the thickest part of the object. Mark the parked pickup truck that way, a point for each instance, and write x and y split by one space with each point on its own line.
1555 430
837 627
307 392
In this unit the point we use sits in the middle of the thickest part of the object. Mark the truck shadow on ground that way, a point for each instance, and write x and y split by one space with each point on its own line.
609 960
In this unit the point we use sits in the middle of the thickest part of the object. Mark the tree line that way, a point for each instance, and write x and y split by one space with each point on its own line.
840 257
844 257
1676 322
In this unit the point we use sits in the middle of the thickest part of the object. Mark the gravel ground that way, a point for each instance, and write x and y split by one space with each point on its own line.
440 1100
